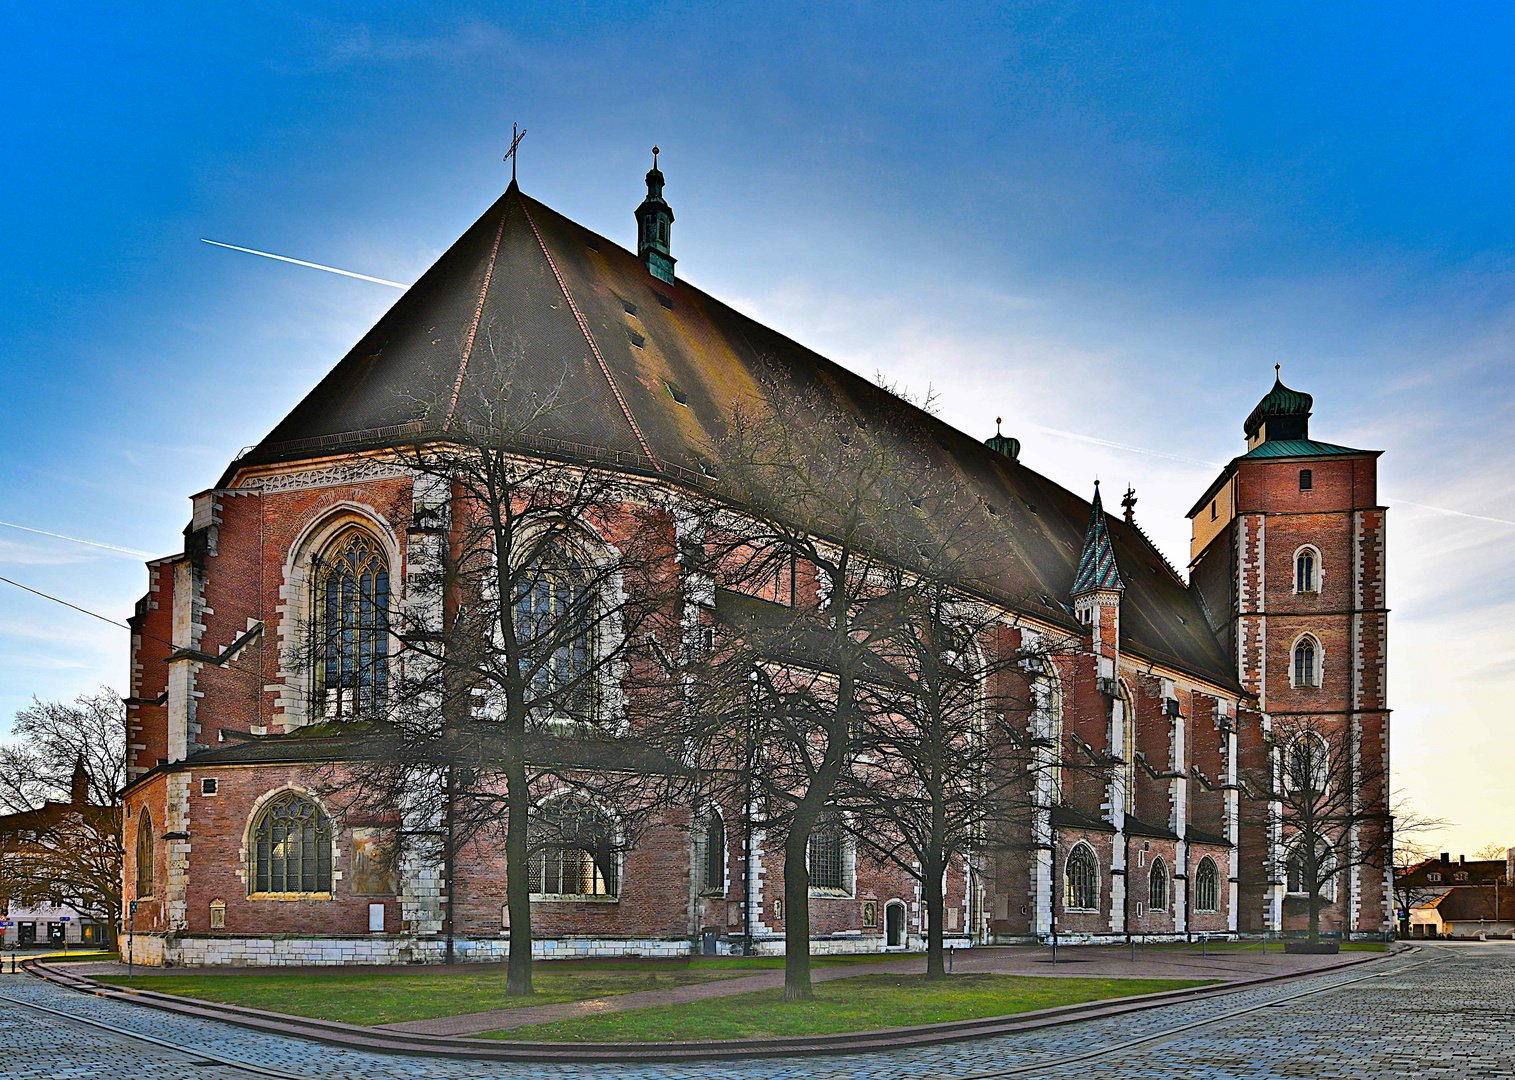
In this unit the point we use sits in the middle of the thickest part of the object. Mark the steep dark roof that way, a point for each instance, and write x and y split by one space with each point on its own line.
644 374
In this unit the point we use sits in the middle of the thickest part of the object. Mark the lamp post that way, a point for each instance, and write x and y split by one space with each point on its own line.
131 938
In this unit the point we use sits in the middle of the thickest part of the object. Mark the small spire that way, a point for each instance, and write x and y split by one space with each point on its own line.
78 787
510 155
998 420
655 153
1129 504
1096 563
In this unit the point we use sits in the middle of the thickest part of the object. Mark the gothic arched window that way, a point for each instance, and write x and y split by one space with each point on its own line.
554 624
713 852
1308 763
145 854
1306 665
1157 886
352 607
575 852
291 847
1305 579
1301 877
1081 880
1207 886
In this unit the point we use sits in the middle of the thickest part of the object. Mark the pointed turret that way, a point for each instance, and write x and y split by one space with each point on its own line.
1096 565
78 785
654 221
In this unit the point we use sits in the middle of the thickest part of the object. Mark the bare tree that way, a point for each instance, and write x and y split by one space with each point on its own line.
1328 800
535 581
60 842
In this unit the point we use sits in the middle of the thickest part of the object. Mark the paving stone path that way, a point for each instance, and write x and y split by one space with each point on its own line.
1442 1013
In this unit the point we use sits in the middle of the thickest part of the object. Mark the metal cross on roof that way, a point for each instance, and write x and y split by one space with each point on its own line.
510 155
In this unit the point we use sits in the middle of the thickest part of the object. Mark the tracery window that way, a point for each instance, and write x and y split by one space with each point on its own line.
1305 580
145 854
827 854
1157 886
1207 886
1081 880
291 847
352 606
1306 666
575 852
554 621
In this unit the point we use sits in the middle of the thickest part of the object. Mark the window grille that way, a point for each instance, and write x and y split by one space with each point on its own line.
353 611
1081 880
553 617
1157 886
827 855
145 854
292 847
1304 663
1207 886
576 851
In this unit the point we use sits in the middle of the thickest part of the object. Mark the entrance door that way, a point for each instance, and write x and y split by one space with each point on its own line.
894 925
28 933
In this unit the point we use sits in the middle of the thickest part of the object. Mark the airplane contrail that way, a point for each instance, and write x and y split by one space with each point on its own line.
313 266
76 540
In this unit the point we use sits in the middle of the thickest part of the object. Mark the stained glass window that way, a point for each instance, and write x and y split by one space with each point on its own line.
1081 880
145 854
576 850
554 627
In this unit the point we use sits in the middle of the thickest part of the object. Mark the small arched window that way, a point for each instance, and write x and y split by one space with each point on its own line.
575 850
1306 662
352 606
291 847
145 854
1308 764
713 853
1305 578
1157 886
828 854
1207 886
554 624
1081 880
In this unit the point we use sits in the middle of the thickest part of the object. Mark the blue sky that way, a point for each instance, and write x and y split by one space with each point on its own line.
1101 221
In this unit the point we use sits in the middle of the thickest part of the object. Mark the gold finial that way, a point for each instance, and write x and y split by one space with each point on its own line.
654 157
998 420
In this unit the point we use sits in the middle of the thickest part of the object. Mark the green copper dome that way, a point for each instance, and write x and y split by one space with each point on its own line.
1281 404
1001 443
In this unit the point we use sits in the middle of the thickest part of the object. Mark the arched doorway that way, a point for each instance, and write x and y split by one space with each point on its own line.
894 926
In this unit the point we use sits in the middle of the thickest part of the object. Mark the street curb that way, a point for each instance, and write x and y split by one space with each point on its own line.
381 1040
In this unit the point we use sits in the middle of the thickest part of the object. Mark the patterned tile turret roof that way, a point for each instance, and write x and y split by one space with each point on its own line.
1096 565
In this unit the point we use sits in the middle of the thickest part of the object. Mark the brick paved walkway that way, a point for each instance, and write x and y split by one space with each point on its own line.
1440 1013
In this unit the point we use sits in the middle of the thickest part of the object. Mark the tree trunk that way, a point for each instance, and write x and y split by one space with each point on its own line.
517 881
931 893
797 985
1315 913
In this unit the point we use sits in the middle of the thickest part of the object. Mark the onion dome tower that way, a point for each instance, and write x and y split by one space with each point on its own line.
654 220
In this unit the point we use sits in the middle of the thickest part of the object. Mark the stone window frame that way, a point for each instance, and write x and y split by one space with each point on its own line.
1328 887
249 868
1319 661
297 597
1082 850
1318 573
1319 763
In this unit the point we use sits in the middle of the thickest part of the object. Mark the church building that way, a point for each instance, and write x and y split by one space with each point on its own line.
1168 695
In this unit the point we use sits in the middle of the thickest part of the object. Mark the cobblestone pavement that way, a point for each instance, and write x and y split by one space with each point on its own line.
1439 1013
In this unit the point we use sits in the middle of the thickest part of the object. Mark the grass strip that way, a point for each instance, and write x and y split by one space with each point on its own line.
391 996
862 1003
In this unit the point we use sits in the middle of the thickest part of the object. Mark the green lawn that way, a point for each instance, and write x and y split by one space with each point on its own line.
412 993
862 1003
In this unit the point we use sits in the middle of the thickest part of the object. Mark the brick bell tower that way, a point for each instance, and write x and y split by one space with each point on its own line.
1287 555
